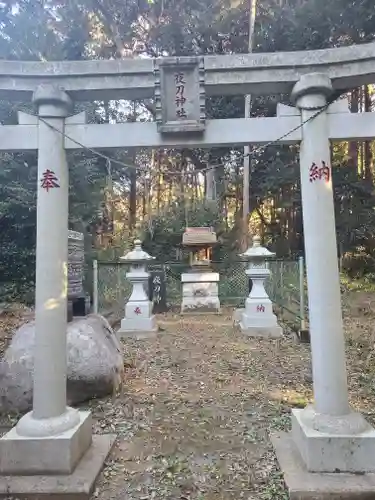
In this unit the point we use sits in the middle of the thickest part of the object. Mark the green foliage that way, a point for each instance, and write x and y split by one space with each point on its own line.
163 238
17 225
365 284
83 29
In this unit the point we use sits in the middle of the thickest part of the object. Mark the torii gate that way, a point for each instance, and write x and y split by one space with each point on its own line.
53 439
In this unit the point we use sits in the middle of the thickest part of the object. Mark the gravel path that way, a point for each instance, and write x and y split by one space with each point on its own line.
199 401
194 419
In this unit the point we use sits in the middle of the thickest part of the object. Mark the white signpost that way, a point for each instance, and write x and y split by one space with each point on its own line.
55 441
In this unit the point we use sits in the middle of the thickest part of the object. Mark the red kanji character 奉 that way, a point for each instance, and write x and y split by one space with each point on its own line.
261 308
49 180
137 311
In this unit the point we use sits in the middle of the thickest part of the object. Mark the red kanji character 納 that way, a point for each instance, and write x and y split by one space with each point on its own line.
325 172
314 173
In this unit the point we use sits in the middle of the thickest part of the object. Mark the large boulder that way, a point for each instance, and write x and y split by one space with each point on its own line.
95 364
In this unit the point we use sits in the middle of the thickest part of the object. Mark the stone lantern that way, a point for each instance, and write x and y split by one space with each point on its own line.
258 319
138 310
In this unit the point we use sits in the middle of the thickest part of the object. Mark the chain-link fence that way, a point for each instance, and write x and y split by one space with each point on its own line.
285 286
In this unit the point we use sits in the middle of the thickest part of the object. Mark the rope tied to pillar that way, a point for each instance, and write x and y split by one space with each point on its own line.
250 154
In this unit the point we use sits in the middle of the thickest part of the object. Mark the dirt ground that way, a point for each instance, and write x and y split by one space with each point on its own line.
199 401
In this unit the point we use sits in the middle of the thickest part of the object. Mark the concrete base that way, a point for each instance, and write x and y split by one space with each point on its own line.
137 335
195 305
258 319
200 292
76 486
81 305
130 326
304 485
304 336
271 332
343 444
58 454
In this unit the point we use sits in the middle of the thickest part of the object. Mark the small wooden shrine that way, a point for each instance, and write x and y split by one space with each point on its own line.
199 241
200 289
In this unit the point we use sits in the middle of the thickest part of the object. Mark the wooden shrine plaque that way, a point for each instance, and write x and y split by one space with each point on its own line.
180 95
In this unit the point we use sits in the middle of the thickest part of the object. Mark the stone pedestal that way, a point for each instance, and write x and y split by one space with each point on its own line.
138 310
23 455
200 292
329 436
257 318
52 438
79 484
139 320
334 444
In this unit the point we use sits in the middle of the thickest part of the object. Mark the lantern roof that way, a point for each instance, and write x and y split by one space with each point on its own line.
257 251
137 254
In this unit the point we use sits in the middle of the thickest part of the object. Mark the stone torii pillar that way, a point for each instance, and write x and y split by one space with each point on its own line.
52 438
329 435
51 266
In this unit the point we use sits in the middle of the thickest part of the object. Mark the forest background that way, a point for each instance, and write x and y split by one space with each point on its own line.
156 193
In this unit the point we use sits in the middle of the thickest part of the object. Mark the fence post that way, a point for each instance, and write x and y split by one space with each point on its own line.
304 335
119 288
95 286
285 300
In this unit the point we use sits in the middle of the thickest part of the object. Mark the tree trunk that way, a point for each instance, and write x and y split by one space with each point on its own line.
210 184
353 145
367 153
133 200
